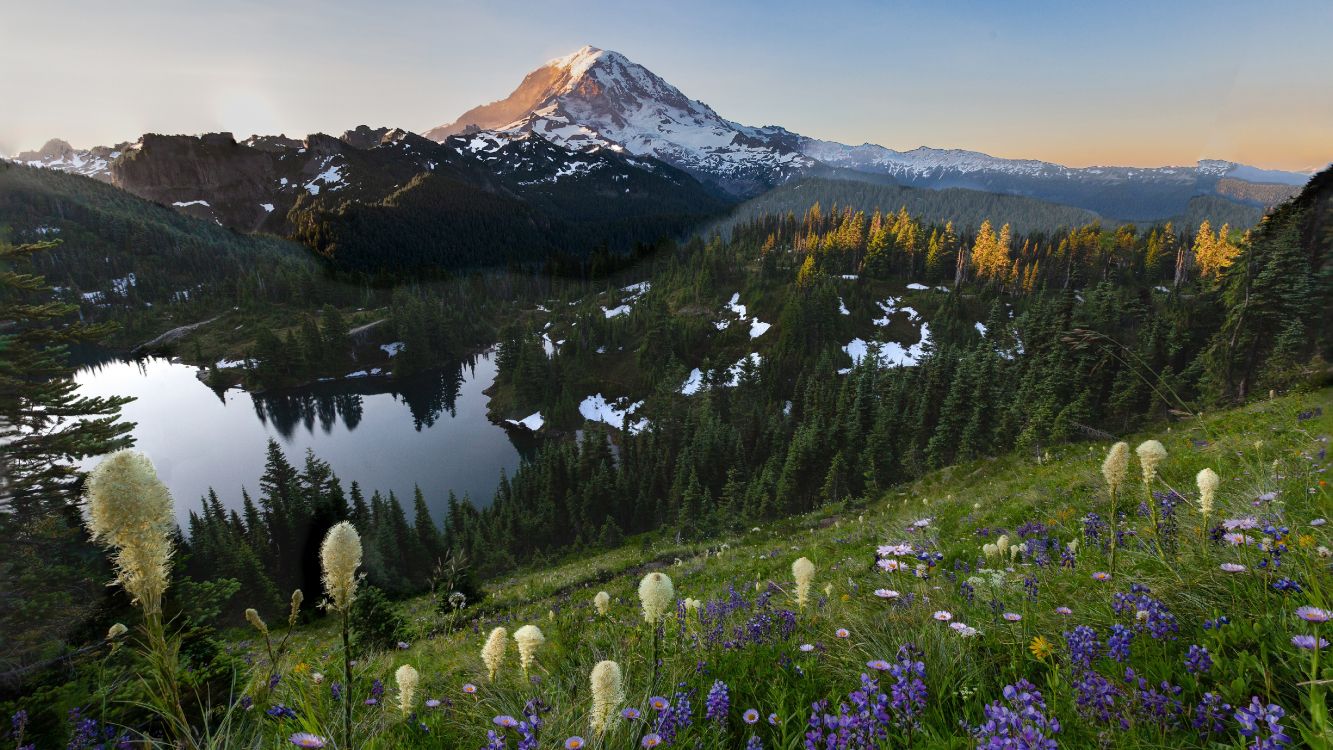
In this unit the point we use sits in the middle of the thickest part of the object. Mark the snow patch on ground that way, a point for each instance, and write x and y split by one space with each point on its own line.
981 328
888 353
225 364
393 349
842 307
758 328
533 422
183 204
598 409
617 311
693 383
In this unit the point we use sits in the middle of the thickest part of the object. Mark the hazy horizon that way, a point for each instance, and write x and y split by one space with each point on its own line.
1099 84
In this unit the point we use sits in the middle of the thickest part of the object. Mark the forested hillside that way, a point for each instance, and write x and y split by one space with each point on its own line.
966 208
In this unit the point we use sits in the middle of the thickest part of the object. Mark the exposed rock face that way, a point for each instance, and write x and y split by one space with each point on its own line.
210 176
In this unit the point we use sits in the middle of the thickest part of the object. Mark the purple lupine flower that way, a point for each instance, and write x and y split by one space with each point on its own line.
1083 645
1198 661
495 740
1095 696
754 743
1019 722
279 711
1150 615
1157 704
909 689
1262 724
1211 713
1118 642
718 702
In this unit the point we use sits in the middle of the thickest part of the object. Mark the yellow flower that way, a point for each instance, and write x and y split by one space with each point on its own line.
301 668
1040 647
1305 540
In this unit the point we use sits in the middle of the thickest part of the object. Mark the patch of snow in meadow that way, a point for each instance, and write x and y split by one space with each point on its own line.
735 305
842 307
693 383
758 328
735 371
637 290
888 353
533 422
981 328
268 207
184 204
393 349
224 364
598 409
617 311
914 286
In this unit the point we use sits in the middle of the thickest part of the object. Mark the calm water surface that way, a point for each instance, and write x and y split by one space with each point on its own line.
429 430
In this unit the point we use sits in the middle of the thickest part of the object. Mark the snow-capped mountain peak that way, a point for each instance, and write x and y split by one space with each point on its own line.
596 97
599 98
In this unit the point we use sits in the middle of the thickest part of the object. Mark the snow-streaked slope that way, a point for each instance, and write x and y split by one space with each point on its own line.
59 155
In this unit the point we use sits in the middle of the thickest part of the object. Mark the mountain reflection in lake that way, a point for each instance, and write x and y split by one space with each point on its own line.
389 435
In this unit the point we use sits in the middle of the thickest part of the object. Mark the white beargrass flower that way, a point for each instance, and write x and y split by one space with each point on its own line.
297 598
528 638
658 596
252 617
493 653
1116 466
1208 481
990 549
603 603
607 694
1151 453
116 631
407 679
128 508
1002 544
340 556
803 571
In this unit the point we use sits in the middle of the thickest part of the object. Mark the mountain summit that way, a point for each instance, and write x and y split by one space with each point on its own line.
595 97
598 98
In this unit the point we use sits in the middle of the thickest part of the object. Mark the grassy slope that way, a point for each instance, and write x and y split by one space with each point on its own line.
1257 449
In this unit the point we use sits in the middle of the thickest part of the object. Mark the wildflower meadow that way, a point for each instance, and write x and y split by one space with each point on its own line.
1171 590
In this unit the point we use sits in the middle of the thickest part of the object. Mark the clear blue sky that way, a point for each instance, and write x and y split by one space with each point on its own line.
1074 81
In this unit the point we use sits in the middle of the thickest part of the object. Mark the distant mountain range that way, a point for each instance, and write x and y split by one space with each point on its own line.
591 148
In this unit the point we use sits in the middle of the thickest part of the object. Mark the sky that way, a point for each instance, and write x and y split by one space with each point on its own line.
1078 82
